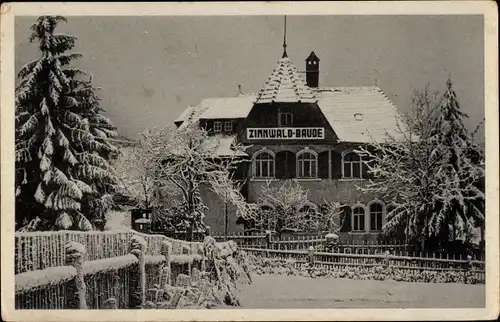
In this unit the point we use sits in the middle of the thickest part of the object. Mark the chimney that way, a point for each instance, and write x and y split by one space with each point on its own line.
312 70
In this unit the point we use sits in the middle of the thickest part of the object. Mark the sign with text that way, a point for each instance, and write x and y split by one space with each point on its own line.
286 133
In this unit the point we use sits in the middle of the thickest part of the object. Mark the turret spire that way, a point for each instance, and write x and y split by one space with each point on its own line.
284 41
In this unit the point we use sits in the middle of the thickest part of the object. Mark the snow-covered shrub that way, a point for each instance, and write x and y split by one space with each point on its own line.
262 265
217 286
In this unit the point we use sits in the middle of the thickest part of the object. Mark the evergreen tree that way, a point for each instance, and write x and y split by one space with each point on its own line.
460 201
103 151
59 161
432 173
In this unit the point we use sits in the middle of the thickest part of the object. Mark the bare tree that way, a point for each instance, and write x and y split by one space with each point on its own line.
138 171
176 164
285 207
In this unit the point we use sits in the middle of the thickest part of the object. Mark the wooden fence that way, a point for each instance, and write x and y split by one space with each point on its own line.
270 241
41 250
335 261
262 240
95 270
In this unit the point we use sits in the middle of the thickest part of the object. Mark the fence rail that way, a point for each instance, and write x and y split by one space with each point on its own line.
53 268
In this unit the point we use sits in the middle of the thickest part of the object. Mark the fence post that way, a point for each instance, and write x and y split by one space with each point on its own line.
468 270
207 231
166 250
185 251
268 241
311 256
201 252
138 291
386 259
75 256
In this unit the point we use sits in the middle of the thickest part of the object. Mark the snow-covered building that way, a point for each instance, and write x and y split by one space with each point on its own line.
299 130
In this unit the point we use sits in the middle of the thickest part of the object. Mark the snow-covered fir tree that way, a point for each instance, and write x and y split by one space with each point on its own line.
460 202
432 174
102 151
62 169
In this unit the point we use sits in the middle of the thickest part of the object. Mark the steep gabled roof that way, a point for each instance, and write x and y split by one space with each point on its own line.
285 85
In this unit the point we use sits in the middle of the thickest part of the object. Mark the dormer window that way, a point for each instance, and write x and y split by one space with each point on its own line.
285 118
217 126
228 126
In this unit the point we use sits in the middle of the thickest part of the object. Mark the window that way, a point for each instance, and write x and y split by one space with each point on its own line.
228 126
285 118
358 218
264 165
307 165
352 166
217 126
376 212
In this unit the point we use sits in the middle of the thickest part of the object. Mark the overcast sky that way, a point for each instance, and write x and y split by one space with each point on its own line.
151 68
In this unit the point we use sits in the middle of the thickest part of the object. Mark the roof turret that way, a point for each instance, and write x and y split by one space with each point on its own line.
285 85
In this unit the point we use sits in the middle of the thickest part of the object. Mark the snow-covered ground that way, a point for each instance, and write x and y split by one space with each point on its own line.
280 291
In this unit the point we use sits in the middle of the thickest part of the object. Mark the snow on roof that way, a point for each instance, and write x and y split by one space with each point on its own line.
358 114
285 85
227 107
193 114
184 115
223 145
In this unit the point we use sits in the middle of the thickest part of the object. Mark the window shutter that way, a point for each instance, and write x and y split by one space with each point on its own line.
345 217
323 165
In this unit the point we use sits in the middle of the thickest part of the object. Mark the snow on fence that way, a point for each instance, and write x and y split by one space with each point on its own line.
409 264
263 240
69 269
40 250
